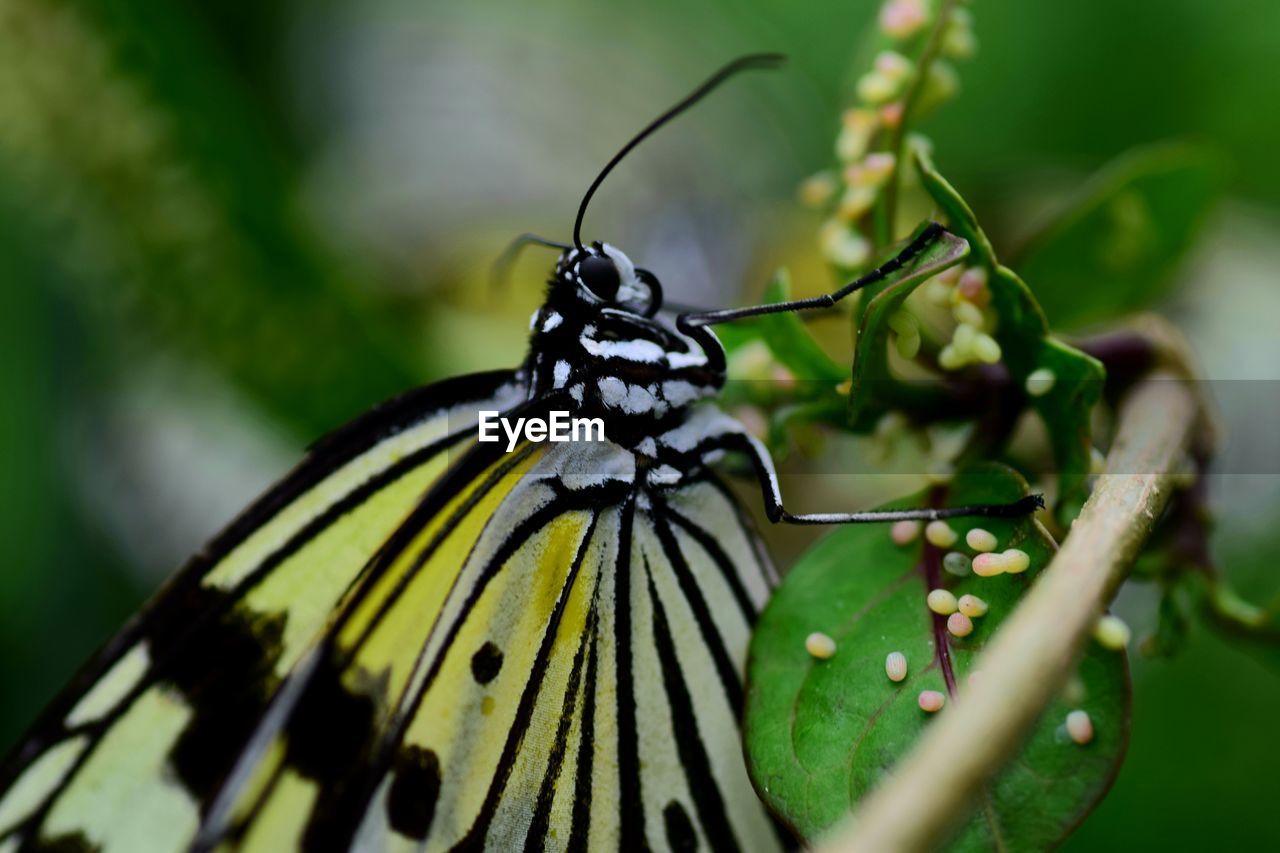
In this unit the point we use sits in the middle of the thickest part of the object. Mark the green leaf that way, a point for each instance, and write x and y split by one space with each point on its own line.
873 386
1115 247
1255 630
1023 335
789 339
820 734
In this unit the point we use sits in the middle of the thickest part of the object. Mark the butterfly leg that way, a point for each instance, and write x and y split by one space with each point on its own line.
923 240
695 325
767 476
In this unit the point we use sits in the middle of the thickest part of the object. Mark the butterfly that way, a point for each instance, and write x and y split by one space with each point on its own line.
421 640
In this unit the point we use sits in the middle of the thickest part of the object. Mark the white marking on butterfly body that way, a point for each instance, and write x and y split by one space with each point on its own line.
677 360
663 475
677 392
637 351
560 374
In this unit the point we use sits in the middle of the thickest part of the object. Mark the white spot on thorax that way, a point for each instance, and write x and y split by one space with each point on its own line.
638 350
663 475
561 373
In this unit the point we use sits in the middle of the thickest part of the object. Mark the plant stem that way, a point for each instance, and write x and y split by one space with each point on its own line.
1030 659
897 142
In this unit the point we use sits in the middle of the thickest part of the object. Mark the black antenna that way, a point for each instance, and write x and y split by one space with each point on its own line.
742 63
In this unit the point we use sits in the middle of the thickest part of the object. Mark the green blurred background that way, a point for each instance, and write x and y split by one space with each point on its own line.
228 227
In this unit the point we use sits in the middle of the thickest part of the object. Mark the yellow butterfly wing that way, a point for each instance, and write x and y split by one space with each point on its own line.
551 660
128 757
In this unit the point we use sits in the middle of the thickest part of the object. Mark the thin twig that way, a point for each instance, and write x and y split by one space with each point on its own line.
1032 656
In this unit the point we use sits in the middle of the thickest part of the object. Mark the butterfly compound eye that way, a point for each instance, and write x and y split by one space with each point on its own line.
601 276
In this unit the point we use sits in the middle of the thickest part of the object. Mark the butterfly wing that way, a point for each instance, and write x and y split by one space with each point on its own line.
550 659
131 753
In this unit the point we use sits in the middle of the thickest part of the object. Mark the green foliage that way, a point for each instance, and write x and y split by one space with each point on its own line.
1114 248
173 219
820 734
873 387
789 340
1023 334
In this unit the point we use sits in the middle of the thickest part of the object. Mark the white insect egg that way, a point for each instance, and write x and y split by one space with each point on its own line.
1111 632
970 315
988 565
931 701
1016 561
972 606
959 625
937 291
949 358
1080 727
985 349
955 563
973 278
964 336
980 539
892 64
1040 381
856 127
940 534
895 666
901 19
817 190
856 201
876 88
941 601
820 645
842 245
904 532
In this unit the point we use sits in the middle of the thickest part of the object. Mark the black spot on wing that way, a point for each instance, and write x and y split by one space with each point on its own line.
485 663
70 842
415 787
680 835
227 675
520 726
329 739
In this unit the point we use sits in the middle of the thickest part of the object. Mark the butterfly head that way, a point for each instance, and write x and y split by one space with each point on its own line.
603 276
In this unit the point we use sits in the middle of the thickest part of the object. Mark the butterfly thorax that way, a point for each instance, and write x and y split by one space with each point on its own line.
608 359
